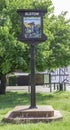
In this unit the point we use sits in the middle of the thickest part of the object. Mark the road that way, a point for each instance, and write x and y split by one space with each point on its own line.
39 88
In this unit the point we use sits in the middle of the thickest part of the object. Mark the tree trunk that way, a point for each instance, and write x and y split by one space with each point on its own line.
61 87
2 84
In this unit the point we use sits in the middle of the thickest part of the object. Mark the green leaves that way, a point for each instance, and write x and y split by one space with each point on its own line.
53 53
5 66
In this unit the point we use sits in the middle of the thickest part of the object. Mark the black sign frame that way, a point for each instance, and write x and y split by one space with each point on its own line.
35 14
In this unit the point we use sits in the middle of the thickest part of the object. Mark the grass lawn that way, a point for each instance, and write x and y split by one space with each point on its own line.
59 101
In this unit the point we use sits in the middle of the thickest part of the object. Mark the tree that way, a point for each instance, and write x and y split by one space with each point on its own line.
59 45
55 51
12 52
15 55
11 56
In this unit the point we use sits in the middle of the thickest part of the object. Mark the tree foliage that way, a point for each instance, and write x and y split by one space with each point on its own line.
15 55
12 52
59 44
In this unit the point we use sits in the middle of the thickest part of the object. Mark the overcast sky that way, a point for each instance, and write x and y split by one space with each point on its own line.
62 5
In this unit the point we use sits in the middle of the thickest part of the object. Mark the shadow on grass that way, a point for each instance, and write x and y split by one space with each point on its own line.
11 99
45 98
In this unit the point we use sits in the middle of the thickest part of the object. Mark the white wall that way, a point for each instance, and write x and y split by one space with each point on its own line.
69 73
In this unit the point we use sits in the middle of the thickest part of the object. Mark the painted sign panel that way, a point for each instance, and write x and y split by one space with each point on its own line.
32 27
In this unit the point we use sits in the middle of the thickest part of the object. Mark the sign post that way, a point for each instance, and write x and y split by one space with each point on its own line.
33 92
32 33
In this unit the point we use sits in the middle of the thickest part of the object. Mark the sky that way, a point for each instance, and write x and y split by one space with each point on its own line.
36 20
61 5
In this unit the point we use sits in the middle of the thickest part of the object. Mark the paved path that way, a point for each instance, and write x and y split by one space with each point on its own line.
42 88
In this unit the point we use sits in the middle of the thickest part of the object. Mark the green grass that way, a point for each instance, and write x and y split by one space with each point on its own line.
59 101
